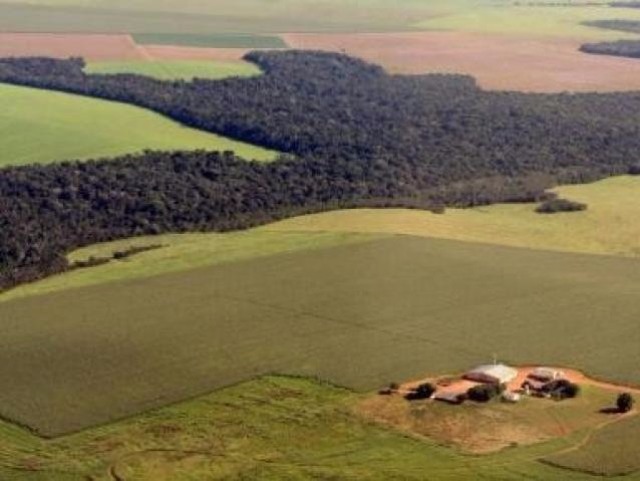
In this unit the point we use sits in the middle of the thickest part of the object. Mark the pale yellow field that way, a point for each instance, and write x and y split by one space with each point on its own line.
610 225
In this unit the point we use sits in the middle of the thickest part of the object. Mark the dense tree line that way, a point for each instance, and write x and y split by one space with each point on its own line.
351 134
630 4
621 48
632 26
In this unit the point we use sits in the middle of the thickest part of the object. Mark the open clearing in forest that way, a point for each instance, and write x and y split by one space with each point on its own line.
498 62
175 70
359 315
38 126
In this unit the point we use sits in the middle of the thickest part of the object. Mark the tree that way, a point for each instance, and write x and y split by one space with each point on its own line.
625 402
483 393
423 391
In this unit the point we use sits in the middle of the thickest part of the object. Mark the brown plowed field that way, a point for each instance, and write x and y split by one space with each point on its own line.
497 61
91 47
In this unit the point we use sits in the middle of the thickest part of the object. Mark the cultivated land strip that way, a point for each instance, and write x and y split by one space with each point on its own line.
359 315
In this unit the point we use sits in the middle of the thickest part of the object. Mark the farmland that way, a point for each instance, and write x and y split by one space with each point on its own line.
306 430
175 70
611 451
219 41
608 226
37 126
334 312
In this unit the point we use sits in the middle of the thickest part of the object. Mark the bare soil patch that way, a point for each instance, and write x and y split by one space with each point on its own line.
486 428
498 62
91 47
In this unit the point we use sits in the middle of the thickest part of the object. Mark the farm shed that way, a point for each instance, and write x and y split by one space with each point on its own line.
492 374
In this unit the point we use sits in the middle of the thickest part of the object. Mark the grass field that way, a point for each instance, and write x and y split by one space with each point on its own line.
229 40
359 315
269 429
552 20
611 451
181 252
609 226
175 70
39 126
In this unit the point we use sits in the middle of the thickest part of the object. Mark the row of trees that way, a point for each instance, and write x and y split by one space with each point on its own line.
620 48
351 135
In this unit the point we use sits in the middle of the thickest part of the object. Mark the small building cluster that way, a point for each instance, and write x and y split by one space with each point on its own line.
490 381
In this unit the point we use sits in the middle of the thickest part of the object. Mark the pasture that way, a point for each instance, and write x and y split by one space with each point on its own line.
306 430
359 315
610 451
38 126
609 226
176 70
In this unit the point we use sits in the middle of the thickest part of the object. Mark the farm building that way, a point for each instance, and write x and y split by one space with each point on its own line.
492 374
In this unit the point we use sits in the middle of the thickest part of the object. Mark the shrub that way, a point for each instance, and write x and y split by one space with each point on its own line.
634 169
625 402
483 393
423 391
560 205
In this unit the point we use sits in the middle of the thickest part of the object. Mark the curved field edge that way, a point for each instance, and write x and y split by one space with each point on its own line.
177 69
179 252
270 428
610 451
42 126
360 315
608 227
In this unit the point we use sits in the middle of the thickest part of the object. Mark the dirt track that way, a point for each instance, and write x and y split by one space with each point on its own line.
498 62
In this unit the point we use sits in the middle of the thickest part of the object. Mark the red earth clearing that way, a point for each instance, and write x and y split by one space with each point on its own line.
91 47
498 62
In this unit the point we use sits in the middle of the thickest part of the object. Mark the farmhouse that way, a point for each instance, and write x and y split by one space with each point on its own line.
492 374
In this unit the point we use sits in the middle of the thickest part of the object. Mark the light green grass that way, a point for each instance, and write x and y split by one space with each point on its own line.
609 225
180 252
612 450
274 428
176 70
224 40
38 126
359 315
554 21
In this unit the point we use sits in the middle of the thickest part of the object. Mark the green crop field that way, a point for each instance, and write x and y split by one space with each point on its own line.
273 428
38 126
228 40
611 451
176 70
359 315
181 252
